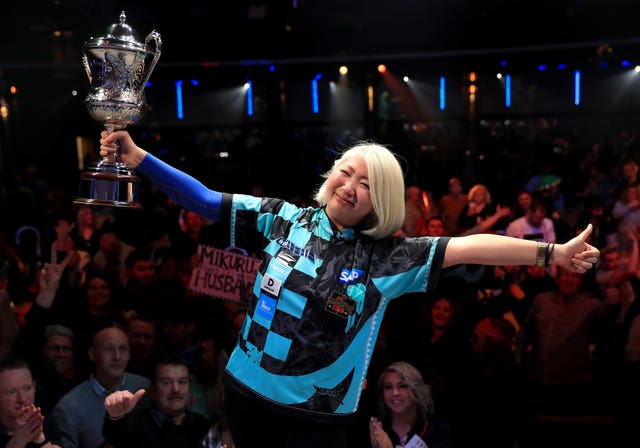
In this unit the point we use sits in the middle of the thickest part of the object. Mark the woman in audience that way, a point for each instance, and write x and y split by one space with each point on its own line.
406 411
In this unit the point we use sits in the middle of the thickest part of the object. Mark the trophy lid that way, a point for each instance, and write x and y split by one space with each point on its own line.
118 35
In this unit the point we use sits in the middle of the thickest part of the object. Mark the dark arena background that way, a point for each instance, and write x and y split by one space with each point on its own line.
491 87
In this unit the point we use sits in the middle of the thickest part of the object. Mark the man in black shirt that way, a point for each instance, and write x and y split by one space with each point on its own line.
165 422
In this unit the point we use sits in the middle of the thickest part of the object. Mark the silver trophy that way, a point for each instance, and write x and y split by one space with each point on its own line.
118 67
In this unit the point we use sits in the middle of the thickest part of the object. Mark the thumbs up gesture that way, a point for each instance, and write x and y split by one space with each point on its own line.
576 255
121 402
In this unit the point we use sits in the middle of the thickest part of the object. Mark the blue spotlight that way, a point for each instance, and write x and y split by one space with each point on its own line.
248 86
180 111
315 107
507 91
576 87
442 93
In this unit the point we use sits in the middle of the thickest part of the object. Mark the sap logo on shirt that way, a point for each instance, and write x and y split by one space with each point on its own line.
347 276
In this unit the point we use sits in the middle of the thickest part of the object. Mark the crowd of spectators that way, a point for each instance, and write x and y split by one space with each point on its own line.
495 345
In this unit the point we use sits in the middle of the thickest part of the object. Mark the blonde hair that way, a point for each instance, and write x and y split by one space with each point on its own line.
475 189
386 186
419 390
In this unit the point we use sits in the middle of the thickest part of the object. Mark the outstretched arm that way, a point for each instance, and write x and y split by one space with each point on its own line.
179 186
575 255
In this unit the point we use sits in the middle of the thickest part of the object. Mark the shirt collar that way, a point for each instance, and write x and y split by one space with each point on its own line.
100 390
328 229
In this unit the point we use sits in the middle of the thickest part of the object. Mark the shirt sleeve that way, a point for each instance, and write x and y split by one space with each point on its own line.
64 430
183 188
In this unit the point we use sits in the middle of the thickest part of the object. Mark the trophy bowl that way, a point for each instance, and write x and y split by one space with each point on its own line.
118 66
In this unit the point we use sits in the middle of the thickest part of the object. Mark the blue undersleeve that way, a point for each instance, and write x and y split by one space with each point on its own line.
184 189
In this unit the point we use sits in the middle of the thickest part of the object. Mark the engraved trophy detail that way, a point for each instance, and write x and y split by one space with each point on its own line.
118 67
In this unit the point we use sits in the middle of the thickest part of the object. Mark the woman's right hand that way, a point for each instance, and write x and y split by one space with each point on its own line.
120 142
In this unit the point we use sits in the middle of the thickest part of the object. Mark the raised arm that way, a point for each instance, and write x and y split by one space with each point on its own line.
488 249
181 187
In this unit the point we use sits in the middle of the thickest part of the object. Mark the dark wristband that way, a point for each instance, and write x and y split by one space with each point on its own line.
549 251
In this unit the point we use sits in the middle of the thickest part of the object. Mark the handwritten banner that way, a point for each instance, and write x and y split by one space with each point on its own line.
224 274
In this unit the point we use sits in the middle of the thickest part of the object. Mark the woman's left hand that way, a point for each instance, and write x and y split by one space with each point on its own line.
576 254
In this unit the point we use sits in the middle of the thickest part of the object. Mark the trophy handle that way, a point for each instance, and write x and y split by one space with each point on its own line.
85 62
155 37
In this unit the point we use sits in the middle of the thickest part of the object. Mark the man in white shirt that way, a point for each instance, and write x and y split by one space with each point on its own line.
534 225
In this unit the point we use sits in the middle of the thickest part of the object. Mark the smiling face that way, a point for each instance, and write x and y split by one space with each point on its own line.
397 395
348 194
17 389
442 313
98 293
58 352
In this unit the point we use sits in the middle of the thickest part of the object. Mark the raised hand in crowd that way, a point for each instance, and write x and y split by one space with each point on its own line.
50 276
121 402
63 241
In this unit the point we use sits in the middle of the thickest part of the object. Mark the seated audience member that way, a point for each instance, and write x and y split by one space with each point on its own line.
524 283
178 334
534 225
77 418
46 346
206 379
145 294
493 339
110 259
435 226
451 205
143 339
56 374
480 214
95 311
21 422
83 315
416 212
553 346
616 269
84 230
406 411
626 209
604 225
167 422
443 354
522 206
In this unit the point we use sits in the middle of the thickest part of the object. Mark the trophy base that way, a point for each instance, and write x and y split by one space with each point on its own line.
109 184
